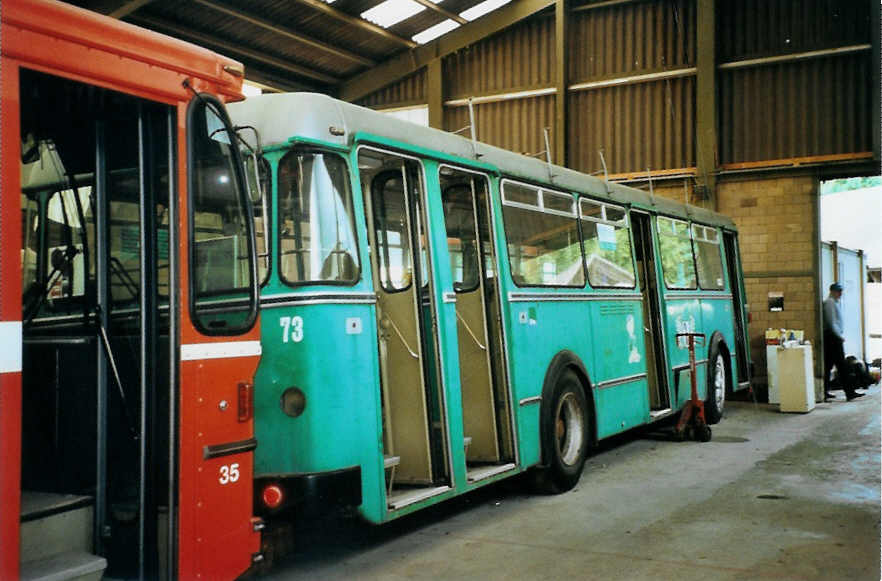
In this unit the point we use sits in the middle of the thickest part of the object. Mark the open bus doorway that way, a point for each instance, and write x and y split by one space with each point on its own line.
97 439
415 439
486 404
656 372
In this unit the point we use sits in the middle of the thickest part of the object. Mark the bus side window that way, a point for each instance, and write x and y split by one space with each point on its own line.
675 247
607 245
393 239
460 222
544 248
707 257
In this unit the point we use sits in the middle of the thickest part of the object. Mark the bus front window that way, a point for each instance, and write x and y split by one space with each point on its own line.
316 222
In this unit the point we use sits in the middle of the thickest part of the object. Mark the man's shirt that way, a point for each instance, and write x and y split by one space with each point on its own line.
833 317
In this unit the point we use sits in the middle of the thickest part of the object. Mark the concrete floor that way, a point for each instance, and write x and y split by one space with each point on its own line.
772 496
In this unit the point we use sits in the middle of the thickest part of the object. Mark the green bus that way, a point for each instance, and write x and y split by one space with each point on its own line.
439 314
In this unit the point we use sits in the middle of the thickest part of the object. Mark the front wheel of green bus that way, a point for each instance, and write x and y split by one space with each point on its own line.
565 435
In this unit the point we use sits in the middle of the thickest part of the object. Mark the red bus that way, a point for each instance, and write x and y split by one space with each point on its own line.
128 312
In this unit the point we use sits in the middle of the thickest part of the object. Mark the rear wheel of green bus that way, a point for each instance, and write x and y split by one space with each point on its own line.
565 435
717 383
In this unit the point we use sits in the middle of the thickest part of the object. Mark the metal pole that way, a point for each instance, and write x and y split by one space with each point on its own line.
102 222
147 546
173 346
474 131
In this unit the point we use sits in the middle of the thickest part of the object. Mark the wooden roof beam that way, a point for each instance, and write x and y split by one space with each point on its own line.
443 12
329 10
288 33
124 8
413 60
233 49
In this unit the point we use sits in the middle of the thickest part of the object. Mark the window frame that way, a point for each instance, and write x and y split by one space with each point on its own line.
199 102
267 203
691 252
277 220
408 231
625 222
491 240
540 208
424 184
717 242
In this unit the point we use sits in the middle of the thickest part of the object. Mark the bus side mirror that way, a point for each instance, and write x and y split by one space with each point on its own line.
251 151
252 178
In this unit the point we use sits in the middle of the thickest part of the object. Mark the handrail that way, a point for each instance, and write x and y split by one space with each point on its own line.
466 325
401 337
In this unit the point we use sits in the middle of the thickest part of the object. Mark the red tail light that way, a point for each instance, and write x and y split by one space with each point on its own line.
272 496
246 401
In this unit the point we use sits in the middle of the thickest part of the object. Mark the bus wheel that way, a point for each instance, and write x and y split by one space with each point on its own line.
717 384
565 436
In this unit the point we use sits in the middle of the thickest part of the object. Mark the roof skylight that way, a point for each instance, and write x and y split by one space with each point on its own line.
391 12
483 8
434 32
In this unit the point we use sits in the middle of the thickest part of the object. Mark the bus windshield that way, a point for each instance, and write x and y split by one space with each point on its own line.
316 221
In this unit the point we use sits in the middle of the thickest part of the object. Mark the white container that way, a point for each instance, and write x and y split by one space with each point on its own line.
796 379
772 370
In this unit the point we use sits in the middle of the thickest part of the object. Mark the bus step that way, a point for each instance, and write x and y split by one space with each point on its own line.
75 565
484 472
658 414
53 524
408 497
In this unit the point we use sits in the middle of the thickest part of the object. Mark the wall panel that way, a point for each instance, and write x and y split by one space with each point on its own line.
637 126
521 57
757 28
626 38
408 91
798 109
514 125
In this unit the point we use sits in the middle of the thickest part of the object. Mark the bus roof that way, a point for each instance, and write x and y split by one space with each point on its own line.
280 117
60 21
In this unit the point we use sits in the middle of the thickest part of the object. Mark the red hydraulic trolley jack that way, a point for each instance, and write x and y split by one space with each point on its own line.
692 421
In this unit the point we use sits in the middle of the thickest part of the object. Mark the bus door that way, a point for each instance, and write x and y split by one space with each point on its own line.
736 284
414 416
219 353
133 432
653 330
486 405
96 186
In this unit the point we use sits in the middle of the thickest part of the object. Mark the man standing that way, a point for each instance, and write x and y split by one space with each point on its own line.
834 353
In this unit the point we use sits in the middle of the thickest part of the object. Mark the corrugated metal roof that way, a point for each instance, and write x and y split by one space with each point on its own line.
351 44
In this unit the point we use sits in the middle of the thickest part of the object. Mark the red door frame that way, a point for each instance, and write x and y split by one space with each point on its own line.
216 534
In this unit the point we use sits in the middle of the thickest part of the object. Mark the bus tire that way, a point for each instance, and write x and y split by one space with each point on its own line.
717 381
565 435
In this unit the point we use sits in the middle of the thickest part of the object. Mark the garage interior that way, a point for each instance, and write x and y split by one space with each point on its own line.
744 107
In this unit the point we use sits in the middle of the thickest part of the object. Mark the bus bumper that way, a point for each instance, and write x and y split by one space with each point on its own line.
313 493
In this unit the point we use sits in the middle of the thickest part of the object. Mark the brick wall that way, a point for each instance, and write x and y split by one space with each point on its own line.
776 220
